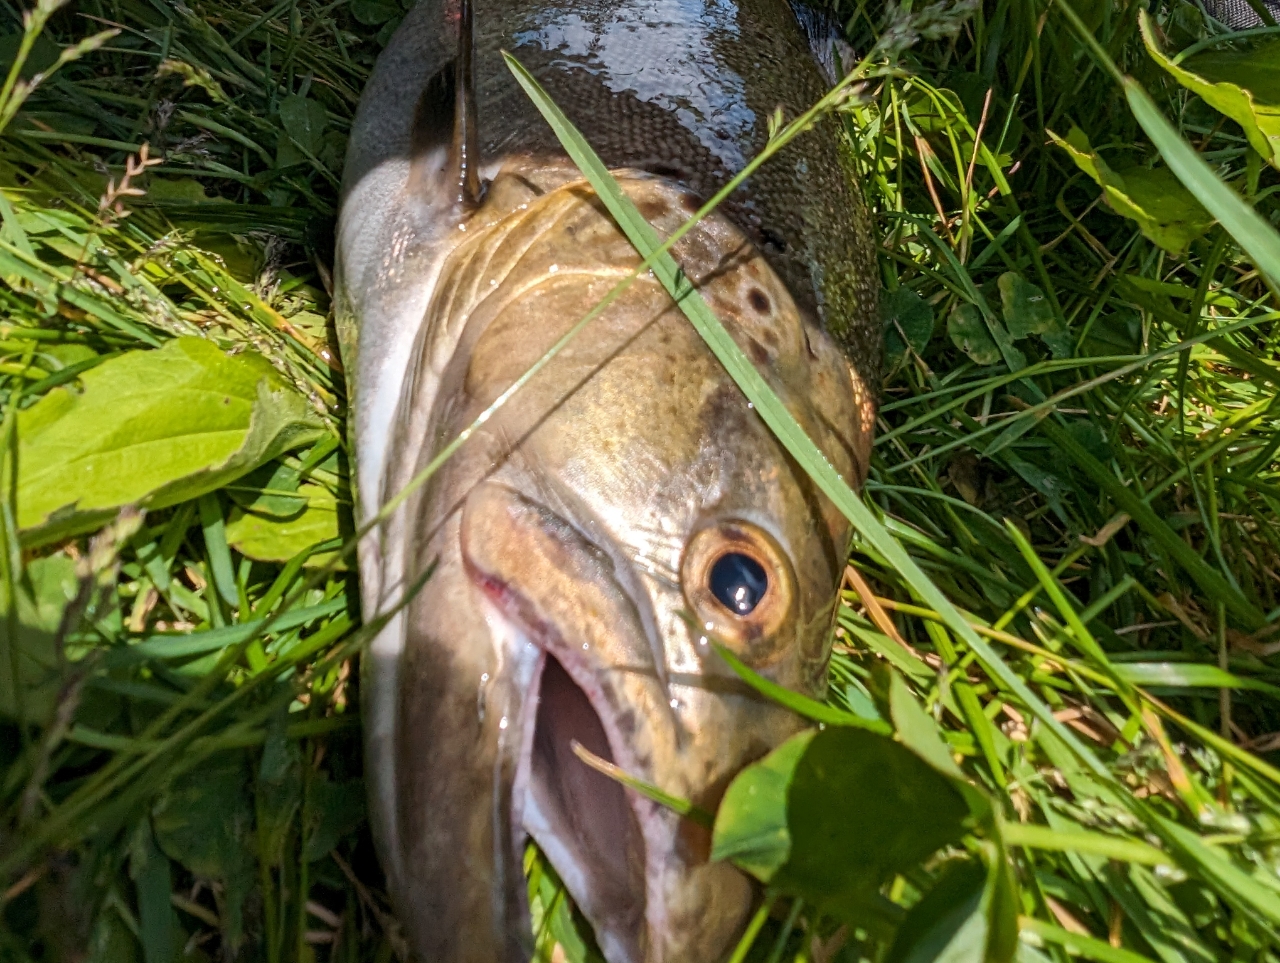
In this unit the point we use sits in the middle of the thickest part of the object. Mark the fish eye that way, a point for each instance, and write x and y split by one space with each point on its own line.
740 588
738 582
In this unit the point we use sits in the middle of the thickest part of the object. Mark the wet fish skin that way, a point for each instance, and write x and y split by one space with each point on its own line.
570 535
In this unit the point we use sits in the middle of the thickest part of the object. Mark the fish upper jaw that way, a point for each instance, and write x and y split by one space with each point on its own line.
639 872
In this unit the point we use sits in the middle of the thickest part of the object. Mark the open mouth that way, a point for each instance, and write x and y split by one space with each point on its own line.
642 881
582 818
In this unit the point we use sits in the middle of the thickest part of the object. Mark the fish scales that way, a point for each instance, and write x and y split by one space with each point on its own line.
627 500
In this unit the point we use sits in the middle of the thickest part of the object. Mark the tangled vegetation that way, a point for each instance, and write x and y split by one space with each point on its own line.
1073 663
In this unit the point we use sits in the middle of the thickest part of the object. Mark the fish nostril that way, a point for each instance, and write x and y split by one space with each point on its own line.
738 582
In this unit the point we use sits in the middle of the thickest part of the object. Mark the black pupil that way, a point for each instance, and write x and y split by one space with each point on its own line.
739 582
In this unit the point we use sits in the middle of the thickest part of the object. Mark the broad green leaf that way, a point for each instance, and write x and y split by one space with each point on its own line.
270 490
151 428
969 333
274 539
947 926
905 315
1164 210
53 584
751 823
204 820
335 809
916 730
1027 311
1258 238
965 918
1243 84
304 121
374 12
777 820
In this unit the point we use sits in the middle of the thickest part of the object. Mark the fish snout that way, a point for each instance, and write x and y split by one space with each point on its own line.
639 872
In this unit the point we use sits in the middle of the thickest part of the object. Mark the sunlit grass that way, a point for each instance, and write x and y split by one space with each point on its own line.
1097 497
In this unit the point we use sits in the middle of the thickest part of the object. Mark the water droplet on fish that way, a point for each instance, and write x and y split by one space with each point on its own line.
584 647
493 282
462 227
502 723
702 640
524 207
484 676
675 703
554 268
709 626
750 405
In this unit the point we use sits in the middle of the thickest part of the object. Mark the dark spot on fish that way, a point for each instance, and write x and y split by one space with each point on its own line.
690 203
759 300
653 208
724 412
759 353
661 169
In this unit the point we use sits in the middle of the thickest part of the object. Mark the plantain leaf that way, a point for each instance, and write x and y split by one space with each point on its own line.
777 820
1244 85
962 919
269 538
905 315
151 428
1258 238
1164 210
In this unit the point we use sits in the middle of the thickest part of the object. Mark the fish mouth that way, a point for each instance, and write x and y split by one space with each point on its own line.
582 819
639 873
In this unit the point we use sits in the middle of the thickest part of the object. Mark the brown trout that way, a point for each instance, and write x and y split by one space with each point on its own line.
627 504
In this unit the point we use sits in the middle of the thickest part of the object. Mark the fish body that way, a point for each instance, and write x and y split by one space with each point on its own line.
627 504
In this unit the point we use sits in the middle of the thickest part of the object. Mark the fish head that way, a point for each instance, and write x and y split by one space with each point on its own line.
624 511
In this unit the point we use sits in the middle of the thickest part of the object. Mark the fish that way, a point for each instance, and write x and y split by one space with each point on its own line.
557 583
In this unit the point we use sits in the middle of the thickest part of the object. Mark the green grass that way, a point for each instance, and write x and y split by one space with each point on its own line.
1077 447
